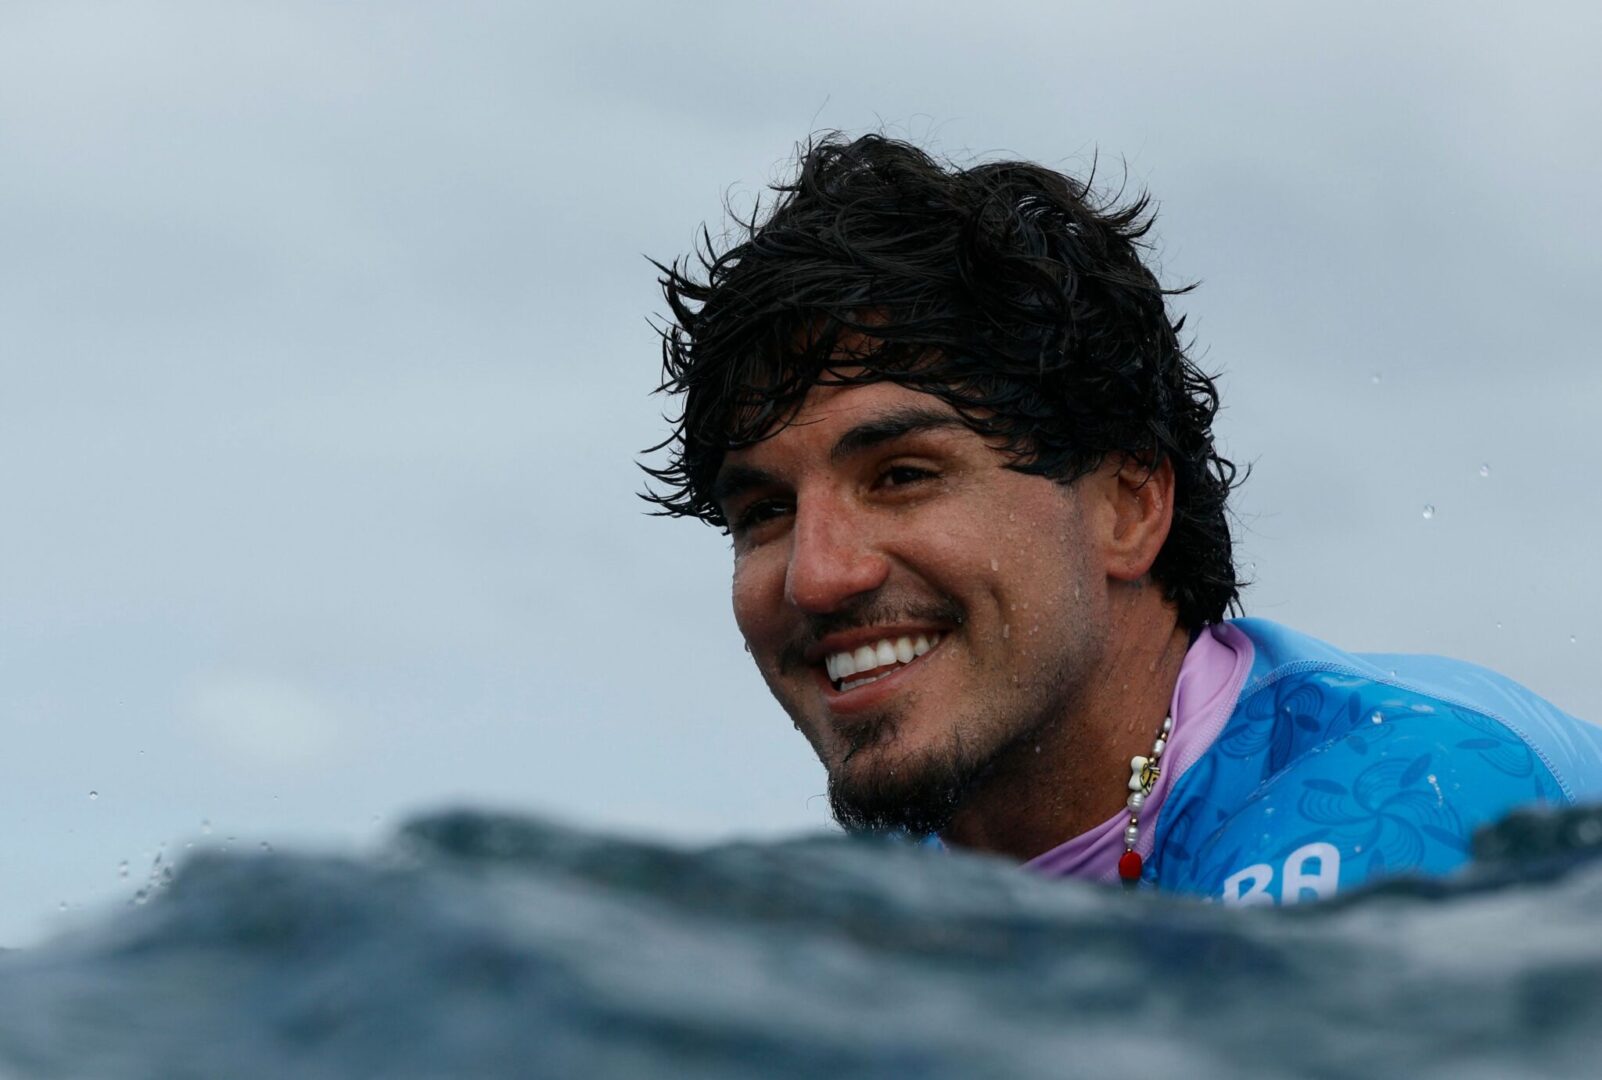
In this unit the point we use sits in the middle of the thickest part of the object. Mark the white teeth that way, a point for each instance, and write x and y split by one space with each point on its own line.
884 653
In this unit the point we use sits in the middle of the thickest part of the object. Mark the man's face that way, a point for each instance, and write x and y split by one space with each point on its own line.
922 612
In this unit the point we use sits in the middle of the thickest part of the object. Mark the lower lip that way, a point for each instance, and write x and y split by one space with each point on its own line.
871 694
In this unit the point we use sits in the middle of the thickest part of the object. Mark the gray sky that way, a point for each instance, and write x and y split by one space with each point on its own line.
324 364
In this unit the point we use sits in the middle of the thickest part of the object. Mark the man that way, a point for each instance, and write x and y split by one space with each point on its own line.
982 558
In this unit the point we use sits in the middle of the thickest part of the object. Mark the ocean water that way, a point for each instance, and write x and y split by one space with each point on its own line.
478 945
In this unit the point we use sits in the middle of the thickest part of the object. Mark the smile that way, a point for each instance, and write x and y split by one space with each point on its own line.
851 668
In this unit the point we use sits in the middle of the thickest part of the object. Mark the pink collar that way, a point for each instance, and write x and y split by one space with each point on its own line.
1209 684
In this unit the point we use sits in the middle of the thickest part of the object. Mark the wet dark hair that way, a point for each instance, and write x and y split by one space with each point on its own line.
1012 292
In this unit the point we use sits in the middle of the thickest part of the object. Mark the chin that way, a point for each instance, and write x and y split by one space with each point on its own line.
878 791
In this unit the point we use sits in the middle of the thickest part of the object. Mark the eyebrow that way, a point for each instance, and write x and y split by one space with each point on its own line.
735 480
893 425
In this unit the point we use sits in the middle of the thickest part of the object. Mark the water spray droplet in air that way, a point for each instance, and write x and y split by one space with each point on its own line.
122 868
265 846
94 795
1429 511
205 826
1571 639
1374 378
1485 470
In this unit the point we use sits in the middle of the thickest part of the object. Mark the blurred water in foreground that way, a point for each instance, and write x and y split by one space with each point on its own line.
491 946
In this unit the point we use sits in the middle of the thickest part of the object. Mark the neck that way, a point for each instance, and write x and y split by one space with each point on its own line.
1072 775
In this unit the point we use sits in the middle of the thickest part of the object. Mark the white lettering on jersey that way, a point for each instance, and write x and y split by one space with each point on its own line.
1249 887
1323 882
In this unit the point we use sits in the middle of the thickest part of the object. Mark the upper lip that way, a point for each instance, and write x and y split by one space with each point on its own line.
851 640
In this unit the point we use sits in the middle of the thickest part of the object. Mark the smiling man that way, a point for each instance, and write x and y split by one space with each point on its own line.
982 557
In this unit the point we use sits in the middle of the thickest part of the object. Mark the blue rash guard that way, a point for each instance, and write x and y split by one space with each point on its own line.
1296 770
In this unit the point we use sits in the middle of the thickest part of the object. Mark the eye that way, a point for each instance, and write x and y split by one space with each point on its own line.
757 514
902 475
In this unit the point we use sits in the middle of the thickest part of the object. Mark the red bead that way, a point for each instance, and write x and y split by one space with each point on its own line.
1130 865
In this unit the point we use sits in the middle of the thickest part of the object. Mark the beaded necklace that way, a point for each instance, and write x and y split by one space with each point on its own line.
1143 774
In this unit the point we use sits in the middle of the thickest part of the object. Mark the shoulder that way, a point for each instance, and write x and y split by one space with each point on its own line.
1336 768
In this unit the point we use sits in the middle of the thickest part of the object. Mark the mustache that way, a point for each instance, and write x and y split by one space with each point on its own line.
868 611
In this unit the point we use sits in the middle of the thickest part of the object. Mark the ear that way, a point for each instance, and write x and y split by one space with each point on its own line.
1138 512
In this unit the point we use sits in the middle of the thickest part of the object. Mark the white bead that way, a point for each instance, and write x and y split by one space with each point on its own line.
1168 724
1158 747
1136 764
1131 836
1136 800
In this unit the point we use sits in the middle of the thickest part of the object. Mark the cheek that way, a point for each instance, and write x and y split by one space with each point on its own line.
756 595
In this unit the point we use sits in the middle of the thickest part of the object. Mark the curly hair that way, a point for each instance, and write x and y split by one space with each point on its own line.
1012 292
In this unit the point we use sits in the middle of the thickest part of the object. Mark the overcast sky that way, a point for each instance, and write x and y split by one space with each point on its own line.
324 366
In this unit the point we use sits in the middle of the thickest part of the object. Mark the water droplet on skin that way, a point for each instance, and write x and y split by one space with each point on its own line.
1006 631
1429 511
1485 470
94 795
995 564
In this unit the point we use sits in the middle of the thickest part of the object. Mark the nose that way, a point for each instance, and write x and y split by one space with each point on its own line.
832 558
